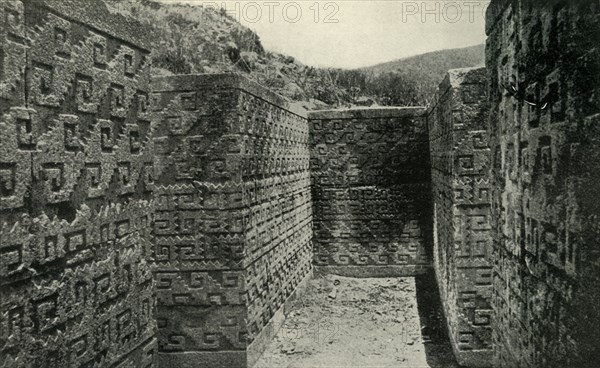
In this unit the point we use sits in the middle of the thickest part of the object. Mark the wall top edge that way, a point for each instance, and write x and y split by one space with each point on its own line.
454 79
365 113
494 13
95 14
458 77
194 82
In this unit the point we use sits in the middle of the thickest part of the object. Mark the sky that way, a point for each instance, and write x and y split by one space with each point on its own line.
352 33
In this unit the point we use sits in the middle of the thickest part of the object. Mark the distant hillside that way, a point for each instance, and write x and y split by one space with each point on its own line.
436 62
191 39
414 80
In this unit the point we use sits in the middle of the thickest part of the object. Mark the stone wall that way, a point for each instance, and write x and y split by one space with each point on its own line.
233 221
371 190
75 188
462 220
543 63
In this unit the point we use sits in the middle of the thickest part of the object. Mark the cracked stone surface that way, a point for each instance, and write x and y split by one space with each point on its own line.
358 322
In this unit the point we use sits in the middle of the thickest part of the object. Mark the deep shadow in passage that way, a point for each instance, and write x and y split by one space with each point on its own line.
433 323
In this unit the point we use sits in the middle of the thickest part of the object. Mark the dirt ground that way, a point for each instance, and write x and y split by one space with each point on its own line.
362 322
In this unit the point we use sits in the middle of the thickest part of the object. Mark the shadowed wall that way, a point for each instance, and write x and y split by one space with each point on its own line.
543 62
371 190
75 188
462 220
233 221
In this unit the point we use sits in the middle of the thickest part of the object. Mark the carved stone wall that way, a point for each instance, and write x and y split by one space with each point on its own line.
371 190
462 220
543 61
75 188
233 222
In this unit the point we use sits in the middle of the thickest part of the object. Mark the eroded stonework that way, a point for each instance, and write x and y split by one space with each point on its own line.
371 191
462 220
544 63
233 222
75 189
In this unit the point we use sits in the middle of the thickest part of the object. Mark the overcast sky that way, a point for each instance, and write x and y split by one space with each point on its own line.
351 33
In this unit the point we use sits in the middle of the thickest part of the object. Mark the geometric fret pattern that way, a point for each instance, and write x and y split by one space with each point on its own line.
371 191
233 215
462 217
169 221
544 124
75 188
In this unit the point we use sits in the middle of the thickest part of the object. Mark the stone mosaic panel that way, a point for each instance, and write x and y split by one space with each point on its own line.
75 188
460 155
543 63
233 223
371 190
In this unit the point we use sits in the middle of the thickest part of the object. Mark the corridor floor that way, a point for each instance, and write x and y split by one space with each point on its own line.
363 322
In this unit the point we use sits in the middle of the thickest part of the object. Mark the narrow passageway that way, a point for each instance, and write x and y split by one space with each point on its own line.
362 322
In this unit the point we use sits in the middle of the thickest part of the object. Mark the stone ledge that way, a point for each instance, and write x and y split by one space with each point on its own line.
366 113
372 271
459 77
223 81
213 359
96 15
264 338
473 358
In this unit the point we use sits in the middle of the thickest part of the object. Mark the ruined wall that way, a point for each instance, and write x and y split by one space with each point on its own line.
462 220
233 221
75 188
371 190
543 62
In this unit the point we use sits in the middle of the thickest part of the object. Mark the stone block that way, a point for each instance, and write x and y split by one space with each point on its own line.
75 189
233 216
371 193
462 212
543 71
